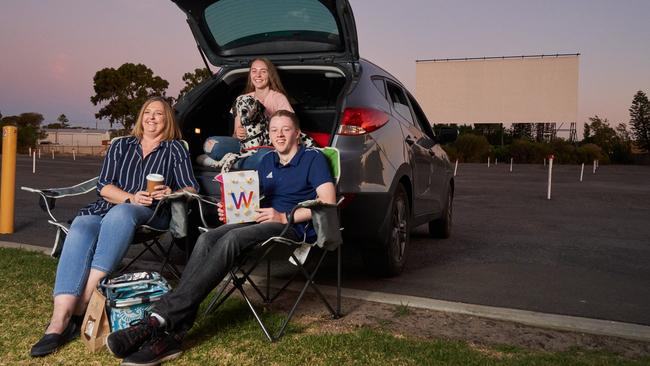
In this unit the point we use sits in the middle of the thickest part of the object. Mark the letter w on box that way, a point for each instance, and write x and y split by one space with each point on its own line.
240 195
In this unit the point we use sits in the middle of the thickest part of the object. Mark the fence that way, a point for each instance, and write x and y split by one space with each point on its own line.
46 149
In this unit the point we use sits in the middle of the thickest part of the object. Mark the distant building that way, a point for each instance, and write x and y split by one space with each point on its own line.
75 137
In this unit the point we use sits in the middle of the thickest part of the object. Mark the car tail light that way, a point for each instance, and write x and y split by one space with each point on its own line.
359 121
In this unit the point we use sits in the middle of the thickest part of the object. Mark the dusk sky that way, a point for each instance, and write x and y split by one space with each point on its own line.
52 49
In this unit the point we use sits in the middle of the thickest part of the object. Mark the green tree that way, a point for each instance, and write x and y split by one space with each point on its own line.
29 128
122 92
640 120
62 122
192 79
600 133
472 148
522 131
623 145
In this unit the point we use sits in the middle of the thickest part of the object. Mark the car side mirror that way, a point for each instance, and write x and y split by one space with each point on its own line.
447 135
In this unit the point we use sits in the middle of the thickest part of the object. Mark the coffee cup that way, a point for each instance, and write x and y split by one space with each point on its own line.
154 180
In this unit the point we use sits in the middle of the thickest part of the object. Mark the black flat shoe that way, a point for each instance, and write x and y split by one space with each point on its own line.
52 341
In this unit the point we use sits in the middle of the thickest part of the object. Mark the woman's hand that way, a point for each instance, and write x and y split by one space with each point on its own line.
160 192
240 131
270 215
142 198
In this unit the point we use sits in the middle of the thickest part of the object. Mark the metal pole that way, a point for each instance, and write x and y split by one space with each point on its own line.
488 161
594 170
456 167
582 171
34 163
511 165
8 189
550 174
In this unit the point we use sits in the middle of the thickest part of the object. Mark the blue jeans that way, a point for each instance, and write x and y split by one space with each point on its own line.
222 146
251 162
100 243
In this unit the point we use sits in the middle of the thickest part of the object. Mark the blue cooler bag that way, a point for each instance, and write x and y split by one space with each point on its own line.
131 295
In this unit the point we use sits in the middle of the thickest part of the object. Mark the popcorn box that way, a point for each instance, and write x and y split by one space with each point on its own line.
240 195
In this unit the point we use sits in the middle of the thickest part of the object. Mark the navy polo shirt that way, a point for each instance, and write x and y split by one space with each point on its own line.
284 186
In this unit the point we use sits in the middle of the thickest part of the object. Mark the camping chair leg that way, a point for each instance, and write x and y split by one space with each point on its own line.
239 286
310 281
166 262
268 281
134 259
218 299
338 283
284 287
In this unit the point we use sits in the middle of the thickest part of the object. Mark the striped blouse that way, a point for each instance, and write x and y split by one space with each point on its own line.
125 168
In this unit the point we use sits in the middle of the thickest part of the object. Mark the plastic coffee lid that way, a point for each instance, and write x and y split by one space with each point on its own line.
156 177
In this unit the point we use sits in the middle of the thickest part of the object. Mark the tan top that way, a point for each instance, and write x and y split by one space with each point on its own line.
274 101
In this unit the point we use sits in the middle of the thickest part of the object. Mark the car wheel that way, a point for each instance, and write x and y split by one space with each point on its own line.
387 258
441 228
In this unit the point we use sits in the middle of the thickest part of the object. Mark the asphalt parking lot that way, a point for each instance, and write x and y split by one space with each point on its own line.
585 252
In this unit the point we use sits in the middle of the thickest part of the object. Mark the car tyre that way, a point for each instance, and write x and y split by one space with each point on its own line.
388 257
441 228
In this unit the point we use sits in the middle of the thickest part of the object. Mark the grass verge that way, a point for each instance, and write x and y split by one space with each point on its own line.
230 336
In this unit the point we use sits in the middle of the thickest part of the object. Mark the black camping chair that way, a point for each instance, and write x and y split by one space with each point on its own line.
325 218
145 235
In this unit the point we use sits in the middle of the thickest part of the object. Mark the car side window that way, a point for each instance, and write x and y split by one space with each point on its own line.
379 84
399 102
421 118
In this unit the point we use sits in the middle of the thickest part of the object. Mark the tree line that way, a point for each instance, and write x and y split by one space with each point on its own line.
119 93
530 143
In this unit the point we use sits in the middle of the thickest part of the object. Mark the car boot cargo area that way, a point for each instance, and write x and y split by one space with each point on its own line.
313 92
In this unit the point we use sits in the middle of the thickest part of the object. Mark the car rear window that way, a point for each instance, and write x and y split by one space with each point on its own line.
236 23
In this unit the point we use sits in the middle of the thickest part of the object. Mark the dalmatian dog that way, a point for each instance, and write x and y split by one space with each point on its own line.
251 115
256 124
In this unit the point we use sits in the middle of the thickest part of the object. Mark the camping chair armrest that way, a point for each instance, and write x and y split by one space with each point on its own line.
199 198
325 220
76 190
309 204
48 196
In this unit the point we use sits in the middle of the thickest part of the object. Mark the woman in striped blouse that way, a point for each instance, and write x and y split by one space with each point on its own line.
102 232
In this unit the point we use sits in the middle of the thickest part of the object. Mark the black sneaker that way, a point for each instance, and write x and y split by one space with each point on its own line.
53 341
125 341
163 347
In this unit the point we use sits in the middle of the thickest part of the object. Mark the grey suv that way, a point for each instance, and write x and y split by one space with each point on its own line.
394 173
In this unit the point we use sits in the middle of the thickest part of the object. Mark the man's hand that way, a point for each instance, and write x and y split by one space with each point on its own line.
221 212
270 215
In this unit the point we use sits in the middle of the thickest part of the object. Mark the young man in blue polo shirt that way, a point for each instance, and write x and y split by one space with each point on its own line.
290 175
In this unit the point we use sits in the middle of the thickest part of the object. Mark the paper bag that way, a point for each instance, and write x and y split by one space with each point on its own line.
240 195
95 327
